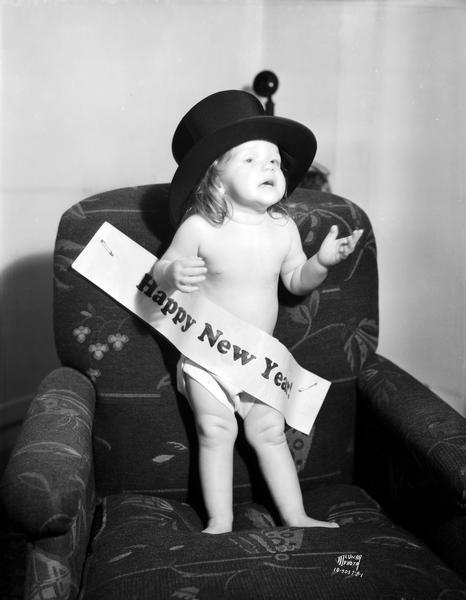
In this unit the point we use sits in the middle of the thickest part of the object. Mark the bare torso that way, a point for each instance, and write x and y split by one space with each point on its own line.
244 263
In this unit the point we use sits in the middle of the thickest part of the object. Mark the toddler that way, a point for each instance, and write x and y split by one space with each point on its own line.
235 241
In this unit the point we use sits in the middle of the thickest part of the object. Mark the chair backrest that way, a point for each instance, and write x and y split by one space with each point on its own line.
144 437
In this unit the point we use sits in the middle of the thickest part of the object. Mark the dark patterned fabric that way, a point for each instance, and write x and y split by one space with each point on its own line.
133 368
48 486
151 548
140 537
417 456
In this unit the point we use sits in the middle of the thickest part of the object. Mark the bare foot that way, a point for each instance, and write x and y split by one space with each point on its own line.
216 527
306 521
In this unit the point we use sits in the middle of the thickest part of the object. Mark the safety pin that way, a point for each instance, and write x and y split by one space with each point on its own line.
104 244
308 387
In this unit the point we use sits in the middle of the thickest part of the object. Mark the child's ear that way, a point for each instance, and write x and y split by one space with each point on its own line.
219 185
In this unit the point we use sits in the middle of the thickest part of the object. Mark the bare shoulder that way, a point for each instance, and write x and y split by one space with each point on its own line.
194 227
195 223
282 220
188 237
286 226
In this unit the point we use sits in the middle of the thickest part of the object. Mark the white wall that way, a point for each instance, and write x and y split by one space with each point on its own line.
383 85
91 94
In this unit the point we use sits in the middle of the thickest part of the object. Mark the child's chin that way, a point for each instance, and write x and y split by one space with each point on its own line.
270 197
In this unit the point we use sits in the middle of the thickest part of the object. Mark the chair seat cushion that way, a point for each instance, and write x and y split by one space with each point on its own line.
150 547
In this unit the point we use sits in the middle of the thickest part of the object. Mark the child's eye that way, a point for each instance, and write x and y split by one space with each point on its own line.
248 160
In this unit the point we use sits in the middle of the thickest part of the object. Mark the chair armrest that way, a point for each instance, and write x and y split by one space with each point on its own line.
49 478
421 436
411 457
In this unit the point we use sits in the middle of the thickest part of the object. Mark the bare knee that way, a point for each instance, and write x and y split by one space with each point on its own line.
215 430
215 424
266 431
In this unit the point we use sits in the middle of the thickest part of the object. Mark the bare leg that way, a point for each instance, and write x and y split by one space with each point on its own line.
217 430
265 431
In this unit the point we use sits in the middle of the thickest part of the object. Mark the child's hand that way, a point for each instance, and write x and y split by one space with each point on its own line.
185 273
333 251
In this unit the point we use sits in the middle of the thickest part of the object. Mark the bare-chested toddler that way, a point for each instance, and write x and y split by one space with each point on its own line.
234 243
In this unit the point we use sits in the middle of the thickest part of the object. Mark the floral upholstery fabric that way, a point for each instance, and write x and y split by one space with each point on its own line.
48 485
148 543
133 368
104 475
414 456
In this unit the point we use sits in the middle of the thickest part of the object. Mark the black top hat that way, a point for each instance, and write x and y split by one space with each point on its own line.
225 120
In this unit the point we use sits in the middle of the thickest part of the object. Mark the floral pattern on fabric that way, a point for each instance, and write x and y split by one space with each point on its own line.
339 315
49 486
147 543
100 336
53 579
368 557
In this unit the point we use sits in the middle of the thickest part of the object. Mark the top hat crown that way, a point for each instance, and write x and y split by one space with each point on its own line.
222 121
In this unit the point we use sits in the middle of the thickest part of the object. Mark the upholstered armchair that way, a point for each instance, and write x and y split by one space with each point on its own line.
103 478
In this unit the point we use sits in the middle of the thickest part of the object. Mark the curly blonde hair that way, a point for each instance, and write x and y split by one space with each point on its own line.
209 201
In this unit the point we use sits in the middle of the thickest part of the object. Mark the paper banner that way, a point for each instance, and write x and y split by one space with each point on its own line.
203 331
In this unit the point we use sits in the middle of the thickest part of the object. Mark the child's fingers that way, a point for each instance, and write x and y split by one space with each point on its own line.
333 233
192 279
350 242
347 245
191 276
357 233
344 249
190 283
193 261
354 239
187 288
194 271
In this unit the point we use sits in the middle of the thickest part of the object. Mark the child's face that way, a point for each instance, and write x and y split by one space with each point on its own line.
251 175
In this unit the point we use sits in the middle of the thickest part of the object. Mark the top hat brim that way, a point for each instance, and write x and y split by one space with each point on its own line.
297 145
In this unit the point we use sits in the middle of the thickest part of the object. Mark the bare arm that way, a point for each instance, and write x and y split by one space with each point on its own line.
301 275
180 267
